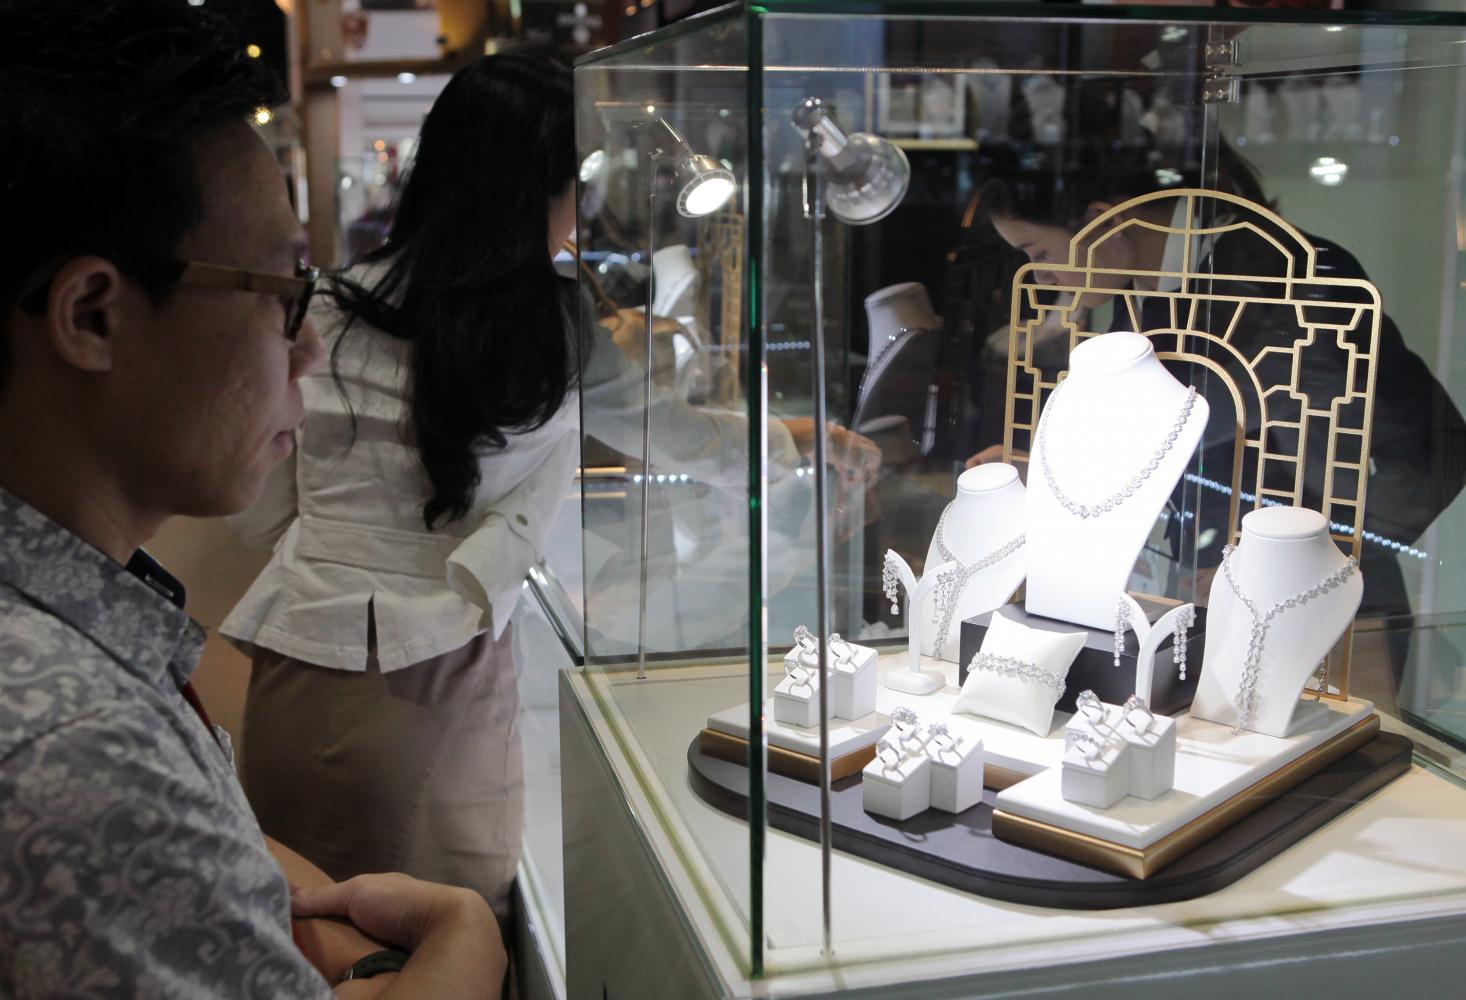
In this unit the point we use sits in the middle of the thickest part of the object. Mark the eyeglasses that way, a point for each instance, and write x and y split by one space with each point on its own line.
295 292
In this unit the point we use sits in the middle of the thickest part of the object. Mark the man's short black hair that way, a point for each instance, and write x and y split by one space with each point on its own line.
102 103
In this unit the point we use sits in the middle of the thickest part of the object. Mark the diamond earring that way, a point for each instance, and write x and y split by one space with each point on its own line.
1178 641
890 578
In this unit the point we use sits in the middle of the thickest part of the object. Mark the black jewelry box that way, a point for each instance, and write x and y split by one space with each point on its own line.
1094 668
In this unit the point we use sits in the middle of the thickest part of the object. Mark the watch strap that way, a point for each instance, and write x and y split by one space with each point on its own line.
378 962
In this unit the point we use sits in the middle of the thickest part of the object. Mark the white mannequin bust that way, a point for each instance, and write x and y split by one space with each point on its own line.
1283 552
1104 425
894 308
984 519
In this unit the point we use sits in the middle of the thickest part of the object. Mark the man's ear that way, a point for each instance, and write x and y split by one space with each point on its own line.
82 312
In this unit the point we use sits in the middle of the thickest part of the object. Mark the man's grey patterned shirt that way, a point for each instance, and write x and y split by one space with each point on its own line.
130 862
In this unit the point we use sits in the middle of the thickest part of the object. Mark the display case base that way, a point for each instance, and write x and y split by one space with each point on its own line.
962 851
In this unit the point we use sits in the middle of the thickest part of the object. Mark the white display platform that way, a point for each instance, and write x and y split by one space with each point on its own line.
1006 747
845 736
1212 766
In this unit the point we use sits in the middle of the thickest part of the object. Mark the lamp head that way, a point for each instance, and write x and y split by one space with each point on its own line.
867 176
703 184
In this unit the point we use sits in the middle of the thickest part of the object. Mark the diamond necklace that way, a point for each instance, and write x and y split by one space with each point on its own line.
1134 483
1247 691
951 583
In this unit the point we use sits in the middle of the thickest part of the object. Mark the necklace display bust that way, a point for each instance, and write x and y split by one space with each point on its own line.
982 531
1285 565
1111 444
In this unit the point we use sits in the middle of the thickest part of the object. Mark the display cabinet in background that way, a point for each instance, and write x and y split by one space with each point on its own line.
1066 408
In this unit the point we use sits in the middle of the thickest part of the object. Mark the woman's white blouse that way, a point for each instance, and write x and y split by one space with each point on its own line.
345 515
344 512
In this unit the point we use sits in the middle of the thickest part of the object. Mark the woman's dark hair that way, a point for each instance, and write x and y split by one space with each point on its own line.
1100 159
467 275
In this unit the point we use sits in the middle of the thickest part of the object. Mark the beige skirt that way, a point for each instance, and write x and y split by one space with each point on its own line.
418 771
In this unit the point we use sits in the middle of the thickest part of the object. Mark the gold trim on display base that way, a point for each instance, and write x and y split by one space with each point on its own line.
1145 862
789 763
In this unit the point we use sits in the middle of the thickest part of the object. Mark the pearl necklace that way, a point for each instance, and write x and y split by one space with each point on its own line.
1134 483
951 583
1247 691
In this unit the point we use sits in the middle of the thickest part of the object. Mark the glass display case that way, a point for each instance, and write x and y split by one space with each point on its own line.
847 273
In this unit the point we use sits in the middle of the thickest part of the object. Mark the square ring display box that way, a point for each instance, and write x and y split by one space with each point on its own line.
951 780
852 693
1146 757
1094 668
957 773
898 791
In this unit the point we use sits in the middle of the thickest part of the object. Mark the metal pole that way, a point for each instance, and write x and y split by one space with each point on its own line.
646 412
816 209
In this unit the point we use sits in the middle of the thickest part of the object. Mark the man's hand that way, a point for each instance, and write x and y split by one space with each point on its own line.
452 934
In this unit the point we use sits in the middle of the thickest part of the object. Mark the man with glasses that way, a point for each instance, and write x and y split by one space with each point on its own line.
152 336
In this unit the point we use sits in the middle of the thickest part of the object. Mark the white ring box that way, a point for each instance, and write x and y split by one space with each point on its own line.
1102 728
1152 756
853 683
1100 781
956 775
898 792
796 702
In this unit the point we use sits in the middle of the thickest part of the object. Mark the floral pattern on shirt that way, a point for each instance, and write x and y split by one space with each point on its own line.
130 862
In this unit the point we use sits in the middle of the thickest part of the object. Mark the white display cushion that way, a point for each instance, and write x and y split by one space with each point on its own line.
898 792
956 775
1212 766
853 683
845 737
1017 699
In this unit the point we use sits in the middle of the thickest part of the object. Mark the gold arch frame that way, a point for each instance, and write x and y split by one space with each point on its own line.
1348 416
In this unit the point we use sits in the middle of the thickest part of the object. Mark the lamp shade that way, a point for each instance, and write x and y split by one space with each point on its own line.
703 184
866 175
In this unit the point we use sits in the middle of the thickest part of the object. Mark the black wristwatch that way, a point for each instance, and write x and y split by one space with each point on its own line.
378 962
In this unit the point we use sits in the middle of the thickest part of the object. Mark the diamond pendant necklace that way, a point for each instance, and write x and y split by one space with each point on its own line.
1251 664
1133 484
951 583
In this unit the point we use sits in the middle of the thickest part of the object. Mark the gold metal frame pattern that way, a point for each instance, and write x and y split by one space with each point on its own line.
1348 416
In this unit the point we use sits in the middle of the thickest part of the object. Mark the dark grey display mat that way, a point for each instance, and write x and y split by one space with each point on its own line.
960 851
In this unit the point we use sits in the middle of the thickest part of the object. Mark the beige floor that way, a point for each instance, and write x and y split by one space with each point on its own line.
216 570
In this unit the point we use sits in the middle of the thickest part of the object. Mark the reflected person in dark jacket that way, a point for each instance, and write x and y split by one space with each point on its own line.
1415 461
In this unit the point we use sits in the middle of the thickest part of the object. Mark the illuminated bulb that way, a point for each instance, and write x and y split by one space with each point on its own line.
339 81
407 78
252 50
263 115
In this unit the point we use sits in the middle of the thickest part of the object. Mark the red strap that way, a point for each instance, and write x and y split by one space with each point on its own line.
192 697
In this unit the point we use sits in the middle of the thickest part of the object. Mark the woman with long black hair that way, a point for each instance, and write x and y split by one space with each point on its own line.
381 722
